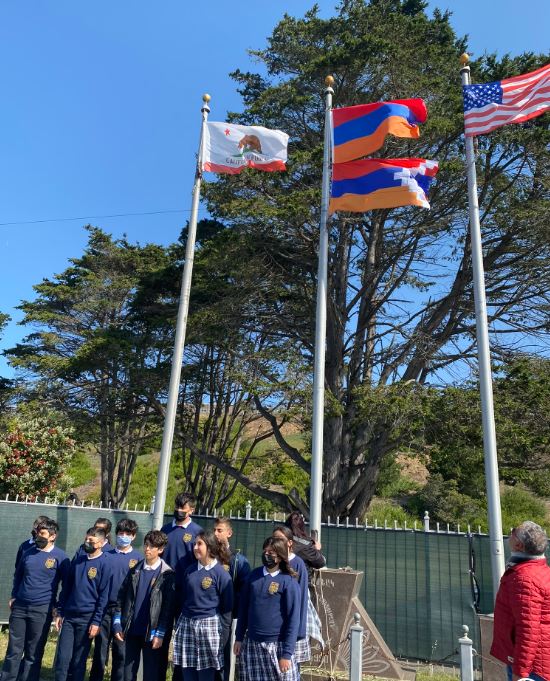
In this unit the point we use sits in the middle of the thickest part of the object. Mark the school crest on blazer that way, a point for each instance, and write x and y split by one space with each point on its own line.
206 582
132 563
50 563
92 572
273 587
187 537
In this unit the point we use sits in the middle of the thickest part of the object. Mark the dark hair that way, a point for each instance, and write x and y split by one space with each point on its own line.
214 548
104 522
295 522
96 532
284 530
156 538
223 520
50 525
127 525
185 498
37 521
281 549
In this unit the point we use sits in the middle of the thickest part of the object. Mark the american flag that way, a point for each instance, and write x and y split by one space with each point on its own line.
513 100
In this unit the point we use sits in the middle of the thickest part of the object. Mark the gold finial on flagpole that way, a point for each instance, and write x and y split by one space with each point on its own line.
205 99
464 58
329 81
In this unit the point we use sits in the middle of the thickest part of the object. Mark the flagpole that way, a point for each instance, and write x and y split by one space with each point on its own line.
179 343
316 480
484 361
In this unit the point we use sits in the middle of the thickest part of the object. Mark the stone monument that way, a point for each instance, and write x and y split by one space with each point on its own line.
337 594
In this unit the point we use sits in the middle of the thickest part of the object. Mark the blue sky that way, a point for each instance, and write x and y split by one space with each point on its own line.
100 113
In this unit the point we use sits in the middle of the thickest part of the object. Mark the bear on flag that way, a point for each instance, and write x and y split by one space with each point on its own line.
229 148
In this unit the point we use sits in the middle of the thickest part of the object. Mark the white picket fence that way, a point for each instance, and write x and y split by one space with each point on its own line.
278 517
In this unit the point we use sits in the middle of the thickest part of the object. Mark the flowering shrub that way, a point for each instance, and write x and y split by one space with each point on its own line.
34 456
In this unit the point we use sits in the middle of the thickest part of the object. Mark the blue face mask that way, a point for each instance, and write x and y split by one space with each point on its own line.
123 540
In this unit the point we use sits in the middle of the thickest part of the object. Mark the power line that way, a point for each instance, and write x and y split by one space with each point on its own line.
93 217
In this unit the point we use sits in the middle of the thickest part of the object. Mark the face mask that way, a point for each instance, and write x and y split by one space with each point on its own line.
268 560
41 542
89 548
180 515
123 540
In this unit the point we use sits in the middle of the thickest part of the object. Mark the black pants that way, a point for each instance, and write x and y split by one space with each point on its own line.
190 674
29 626
73 647
102 641
155 662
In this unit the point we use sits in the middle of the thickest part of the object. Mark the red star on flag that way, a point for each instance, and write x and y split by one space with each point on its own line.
227 131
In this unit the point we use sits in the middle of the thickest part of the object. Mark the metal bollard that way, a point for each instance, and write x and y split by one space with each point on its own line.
356 649
466 656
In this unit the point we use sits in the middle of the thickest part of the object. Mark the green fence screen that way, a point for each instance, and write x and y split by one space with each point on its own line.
416 586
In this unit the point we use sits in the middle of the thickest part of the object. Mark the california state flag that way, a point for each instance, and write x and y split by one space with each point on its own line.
229 148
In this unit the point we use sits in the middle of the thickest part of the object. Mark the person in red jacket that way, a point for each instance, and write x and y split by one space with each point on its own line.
521 638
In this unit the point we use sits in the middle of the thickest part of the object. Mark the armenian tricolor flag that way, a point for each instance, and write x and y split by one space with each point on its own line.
361 130
358 186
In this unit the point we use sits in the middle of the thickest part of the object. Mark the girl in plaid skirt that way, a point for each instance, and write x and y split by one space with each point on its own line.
207 602
269 618
302 652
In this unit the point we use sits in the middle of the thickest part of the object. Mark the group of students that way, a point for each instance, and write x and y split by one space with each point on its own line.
189 586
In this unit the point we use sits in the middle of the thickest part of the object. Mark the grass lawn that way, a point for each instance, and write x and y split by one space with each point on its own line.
424 674
47 665
49 655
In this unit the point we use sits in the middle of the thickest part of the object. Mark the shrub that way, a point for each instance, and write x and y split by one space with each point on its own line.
384 509
518 504
447 505
35 453
81 471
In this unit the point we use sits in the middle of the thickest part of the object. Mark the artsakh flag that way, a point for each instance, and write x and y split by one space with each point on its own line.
487 106
358 186
229 148
361 130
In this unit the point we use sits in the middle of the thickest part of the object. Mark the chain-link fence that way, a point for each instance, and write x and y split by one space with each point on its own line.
419 586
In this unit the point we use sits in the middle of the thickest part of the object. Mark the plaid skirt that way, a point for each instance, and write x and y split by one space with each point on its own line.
302 650
313 625
260 662
197 643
